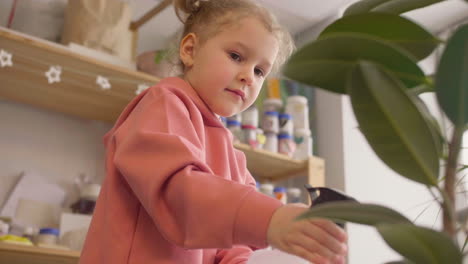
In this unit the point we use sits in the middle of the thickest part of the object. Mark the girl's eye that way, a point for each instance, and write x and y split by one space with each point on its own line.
258 72
235 56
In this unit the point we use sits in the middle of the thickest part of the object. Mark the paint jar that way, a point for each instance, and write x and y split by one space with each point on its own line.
286 144
249 135
280 194
272 104
298 108
286 125
270 122
303 140
47 236
294 195
235 127
267 189
250 116
271 142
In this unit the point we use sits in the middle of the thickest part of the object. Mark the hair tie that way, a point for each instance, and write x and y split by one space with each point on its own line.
196 4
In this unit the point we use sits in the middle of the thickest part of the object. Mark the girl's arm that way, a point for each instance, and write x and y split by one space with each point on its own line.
159 153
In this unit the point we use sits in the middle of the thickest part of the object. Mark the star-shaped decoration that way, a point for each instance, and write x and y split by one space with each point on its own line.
103 82
5 59
53 75
141 88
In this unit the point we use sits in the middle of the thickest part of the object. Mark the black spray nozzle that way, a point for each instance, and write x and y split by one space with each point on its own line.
319 195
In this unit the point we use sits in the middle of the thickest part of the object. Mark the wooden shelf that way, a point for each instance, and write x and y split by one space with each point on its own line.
273 166
77 94
10 253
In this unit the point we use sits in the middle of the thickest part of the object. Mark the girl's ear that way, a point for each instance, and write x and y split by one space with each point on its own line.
187 49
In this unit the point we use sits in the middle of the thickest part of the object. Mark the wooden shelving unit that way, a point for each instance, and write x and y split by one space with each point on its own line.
19 254
78 95
273 166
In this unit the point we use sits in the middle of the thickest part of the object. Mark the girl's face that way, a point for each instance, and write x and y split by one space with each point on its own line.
228 69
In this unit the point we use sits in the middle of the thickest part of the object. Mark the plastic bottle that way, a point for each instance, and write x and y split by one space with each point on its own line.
272 104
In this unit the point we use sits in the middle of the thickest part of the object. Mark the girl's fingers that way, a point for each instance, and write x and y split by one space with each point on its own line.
331 228
324 239
307 255
312 245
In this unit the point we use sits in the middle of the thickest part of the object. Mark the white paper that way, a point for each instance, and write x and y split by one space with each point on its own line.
268 256
33 187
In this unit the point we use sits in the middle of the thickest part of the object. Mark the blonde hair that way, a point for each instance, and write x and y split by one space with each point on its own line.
205 18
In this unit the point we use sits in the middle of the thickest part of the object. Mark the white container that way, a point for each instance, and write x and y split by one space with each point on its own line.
250 116
286 125
271 142
303 140
235 127
267 189
47 236
270 122
280 194
249 135
237 118
272 104
298 108
286 144
294 195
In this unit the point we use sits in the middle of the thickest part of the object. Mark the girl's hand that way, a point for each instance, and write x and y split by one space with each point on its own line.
317 240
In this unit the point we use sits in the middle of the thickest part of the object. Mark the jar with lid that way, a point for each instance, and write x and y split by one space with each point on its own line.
47 236
286 125
249 135
271 142
250 116
235 127
280 194
294 195
267 189
286 144
270 122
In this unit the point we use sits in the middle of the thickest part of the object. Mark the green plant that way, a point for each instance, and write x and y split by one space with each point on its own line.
371 54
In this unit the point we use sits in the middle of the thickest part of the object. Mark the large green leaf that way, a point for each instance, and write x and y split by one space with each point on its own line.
325 63
393 28
451 83
439 139
403 6
346 211
389 6
421 245
400 262
392 123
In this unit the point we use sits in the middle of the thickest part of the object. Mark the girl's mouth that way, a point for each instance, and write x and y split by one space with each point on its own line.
239 93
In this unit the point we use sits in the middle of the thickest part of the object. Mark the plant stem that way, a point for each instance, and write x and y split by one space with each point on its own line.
449 187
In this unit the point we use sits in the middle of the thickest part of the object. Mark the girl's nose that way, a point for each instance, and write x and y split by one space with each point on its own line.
246 76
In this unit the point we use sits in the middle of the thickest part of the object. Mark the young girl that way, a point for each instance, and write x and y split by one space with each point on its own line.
176 190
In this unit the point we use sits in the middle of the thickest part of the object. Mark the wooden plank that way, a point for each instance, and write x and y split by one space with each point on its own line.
10 253
77 94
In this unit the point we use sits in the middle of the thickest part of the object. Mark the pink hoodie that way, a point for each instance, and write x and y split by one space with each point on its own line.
176 190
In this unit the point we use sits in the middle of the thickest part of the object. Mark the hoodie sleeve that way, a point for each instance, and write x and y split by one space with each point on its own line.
234 255
160 154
